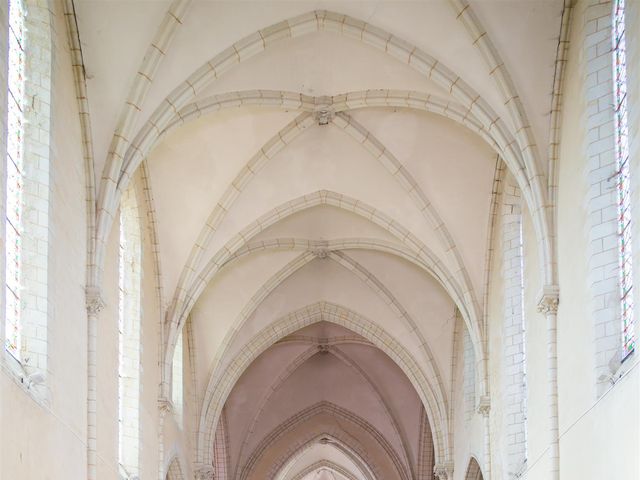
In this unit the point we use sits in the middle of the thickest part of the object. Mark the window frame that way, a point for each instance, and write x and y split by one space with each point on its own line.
623 179
29 366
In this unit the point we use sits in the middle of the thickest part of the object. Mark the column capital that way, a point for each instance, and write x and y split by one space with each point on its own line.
444 471
549 299
203 472
484 405
93 300
164 405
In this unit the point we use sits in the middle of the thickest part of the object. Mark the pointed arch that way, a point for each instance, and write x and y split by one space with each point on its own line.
337 254
429 364
522 164
349 445
174 472
277 143
324 197
474 472
342 442
222 384
349 362
325 464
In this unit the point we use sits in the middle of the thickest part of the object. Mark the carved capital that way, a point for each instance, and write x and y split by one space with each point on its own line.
165 406
444 471
93 299
204 472
549 299
484 405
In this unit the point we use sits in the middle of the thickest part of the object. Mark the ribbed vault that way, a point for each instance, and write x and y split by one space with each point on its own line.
320 184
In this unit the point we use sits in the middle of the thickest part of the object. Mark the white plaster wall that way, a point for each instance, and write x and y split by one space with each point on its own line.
599 435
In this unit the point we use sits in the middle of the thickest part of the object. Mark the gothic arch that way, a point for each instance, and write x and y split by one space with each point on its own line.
436 387
341 201
340 440
365 276
473 470
220 386
116 180
324 464
378 151
174 472
351 445
349 362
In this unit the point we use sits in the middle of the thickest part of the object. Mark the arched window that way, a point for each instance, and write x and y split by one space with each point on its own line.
174 472
129 336
623 184
473 471
177 389
514 339
27 184
608 179
15 181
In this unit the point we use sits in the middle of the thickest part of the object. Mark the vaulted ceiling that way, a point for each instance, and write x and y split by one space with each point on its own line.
321 193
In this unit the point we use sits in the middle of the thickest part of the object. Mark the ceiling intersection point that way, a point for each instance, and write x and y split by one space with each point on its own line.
324 110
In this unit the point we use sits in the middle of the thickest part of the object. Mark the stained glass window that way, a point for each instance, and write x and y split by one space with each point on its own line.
623 184
15 179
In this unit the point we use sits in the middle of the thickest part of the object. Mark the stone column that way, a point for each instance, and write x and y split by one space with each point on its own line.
484 408
94 305
548 305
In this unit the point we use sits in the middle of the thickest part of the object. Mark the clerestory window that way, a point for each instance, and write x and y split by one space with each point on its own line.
623 180
27 184
15 179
